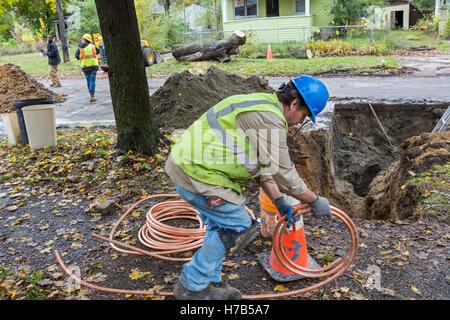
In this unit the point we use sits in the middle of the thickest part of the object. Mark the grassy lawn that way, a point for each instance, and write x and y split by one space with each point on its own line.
245 66
418 38
37 66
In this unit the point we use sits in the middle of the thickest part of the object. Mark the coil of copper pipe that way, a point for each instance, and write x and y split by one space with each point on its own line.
168 240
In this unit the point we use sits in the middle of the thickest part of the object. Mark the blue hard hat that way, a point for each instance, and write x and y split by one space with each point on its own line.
314 92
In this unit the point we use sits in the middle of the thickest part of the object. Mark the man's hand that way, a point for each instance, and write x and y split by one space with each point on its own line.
285 209
320 206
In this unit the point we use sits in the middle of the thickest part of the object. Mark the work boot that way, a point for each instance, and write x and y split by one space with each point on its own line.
93 97
218 292
235 241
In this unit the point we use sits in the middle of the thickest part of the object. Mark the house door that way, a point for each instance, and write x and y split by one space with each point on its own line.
399 19
272 8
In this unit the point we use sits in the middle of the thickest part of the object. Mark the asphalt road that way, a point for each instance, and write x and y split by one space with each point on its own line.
417 87
78 109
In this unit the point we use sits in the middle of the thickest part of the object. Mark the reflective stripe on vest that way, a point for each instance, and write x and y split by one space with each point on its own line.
88 57
229 143
214 151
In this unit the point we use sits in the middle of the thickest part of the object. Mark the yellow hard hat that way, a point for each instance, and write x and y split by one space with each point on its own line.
87 37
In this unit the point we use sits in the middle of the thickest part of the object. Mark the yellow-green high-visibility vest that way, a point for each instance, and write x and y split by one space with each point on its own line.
88 56
213 151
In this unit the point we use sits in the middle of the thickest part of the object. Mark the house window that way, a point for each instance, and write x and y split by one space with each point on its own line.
243 8
300 7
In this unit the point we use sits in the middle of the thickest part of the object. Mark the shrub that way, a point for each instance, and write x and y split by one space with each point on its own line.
427 24
446 33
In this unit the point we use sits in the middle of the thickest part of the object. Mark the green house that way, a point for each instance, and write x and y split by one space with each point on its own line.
276 20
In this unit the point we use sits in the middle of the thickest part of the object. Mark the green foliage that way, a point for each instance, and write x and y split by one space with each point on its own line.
3 273
428 24
347 12
150 24
424 4
356 43
37 15
6 26
446 33
212 18
34 290
161 30
89 22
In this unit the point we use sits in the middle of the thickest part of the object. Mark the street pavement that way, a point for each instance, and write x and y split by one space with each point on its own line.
77 110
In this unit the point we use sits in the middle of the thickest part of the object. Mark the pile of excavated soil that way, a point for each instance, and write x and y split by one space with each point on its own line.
184 97
15 84
387 198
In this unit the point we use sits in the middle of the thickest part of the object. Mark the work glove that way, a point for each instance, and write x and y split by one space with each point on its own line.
320 206
285 209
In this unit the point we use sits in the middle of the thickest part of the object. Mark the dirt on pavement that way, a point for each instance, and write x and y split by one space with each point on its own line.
15 84
44 195
185 96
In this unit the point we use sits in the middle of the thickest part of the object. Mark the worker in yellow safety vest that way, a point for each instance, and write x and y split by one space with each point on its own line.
87 54
241 138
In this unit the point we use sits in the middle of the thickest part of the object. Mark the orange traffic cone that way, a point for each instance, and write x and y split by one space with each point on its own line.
269 53
294 246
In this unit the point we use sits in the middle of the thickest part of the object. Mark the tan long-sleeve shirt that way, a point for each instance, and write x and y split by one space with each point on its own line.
269 131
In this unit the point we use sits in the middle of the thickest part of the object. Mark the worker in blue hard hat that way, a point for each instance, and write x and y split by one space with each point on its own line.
241 138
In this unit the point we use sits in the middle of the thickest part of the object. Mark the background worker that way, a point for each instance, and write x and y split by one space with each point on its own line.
87 54
53 60
212 186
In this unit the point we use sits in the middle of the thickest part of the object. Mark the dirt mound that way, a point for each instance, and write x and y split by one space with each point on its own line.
185 96
388 196
15 84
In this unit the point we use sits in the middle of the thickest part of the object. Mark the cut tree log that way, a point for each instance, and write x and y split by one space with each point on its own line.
301 53
217 50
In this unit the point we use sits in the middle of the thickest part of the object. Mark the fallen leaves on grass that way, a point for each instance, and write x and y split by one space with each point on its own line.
83 162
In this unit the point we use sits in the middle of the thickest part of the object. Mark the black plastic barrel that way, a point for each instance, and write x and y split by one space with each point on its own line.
18 105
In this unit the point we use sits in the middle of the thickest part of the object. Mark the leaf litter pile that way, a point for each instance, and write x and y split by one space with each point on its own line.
49 200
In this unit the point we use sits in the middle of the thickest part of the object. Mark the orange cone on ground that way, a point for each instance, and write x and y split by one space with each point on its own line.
269 213
293 243
269 53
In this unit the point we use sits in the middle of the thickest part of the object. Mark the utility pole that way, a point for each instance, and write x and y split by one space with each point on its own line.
62 31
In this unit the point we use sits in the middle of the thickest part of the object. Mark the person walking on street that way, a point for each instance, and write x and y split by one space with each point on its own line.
241 138
87 55
53 60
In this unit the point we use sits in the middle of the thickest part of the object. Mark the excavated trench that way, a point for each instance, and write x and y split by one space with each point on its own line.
343 161
344 158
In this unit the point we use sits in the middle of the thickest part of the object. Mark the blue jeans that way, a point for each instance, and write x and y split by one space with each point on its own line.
206 264
90 78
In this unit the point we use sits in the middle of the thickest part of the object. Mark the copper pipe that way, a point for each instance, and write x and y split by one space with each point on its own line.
381 126
168 238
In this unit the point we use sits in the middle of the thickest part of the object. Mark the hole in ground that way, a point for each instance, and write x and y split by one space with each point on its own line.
341 162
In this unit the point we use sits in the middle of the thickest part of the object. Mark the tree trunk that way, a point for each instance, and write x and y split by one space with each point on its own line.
127 78
62 31
217 50
301 53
